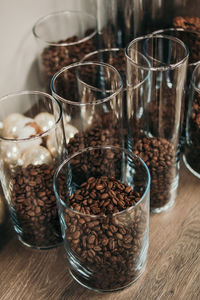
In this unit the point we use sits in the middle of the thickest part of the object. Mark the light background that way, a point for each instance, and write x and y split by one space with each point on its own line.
17 45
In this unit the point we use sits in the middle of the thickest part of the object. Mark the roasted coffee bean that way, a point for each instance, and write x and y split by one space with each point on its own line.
53 58
160 157
36 216
108 245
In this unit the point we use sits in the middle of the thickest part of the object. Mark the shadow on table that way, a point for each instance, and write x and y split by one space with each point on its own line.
6 231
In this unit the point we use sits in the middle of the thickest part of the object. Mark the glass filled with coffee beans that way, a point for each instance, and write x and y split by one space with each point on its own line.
154 111
192 41
191 155
91 97
31 148
103 202
63 38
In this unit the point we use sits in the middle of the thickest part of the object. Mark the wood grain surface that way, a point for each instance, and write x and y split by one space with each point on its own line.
172 272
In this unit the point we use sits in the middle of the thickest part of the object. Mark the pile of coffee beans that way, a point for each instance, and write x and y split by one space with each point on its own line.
187 22
34 210
108 247
112 196
192 40
105 130
192 149
55 57
160 157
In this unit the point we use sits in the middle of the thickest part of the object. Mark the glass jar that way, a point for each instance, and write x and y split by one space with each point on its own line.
192 41
91 97
154 101
63 38
103 200
32 146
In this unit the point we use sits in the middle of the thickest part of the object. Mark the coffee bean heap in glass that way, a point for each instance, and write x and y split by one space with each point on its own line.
187 22
55 57
160 157
34 205
29 177
105 130
108 233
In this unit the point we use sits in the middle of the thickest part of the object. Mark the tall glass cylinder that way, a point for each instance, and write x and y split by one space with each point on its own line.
32 145
154 111
103 200
192 41
91 97
117 58
191 155
107 20
63 38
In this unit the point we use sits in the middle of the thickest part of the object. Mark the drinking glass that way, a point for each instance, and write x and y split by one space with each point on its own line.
63 38
192 41
32 145
103 200
154 113
117 58
91 97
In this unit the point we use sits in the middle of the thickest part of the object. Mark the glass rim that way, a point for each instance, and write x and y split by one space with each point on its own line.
31 93
66 161
96 102
102 50
179 29
196 88
147 76
162 68
64 12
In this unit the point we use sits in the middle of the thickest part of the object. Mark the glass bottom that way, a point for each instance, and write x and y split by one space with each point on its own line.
189 167
168 205
110 290
163 208
39 247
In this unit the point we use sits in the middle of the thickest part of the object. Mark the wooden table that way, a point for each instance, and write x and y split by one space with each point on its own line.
173 268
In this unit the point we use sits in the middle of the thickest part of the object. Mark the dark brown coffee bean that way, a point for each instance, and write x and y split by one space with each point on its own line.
76 235
91 239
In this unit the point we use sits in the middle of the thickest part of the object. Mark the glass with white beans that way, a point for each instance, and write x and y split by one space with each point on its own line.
31 147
